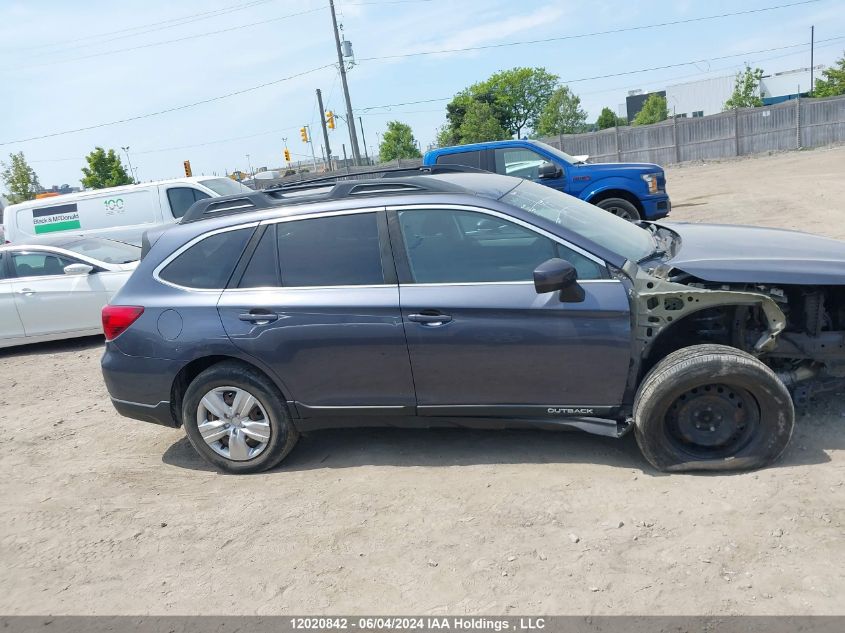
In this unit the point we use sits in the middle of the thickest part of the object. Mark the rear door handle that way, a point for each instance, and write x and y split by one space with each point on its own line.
259 317
430 318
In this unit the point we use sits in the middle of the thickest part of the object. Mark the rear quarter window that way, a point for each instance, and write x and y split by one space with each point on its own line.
469 159
209 263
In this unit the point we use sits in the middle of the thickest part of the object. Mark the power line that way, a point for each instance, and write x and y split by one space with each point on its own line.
623 73
168 110
704 72
695 61
313 70
175 148
584 35
164 42
188 19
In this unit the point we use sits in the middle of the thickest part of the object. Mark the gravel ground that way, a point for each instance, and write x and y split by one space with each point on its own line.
104 515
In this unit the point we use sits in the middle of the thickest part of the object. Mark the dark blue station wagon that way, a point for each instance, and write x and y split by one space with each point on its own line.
451 296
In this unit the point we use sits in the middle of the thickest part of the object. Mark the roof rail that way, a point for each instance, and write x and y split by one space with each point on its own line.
390 172
334 187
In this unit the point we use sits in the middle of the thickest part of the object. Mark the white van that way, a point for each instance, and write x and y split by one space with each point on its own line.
119 213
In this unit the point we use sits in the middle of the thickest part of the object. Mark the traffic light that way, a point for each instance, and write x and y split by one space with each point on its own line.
187 165
330 119
303 133
287 154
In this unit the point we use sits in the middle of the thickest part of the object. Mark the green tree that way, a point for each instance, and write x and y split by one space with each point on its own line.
521 94
104 170
398 142
562 114
654 110
516 98
480 124
608 119
20 179
833 83
746 92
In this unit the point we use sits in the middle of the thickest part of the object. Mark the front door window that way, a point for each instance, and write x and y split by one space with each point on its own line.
519 162
454 246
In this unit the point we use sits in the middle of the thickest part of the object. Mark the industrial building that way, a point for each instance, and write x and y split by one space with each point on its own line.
708 96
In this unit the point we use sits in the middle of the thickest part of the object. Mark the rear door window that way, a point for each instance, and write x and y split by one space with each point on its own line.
470 159
181 199
209 263
341 250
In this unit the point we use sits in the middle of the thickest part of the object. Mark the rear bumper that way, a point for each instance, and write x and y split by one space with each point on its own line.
140 387
155 413
656 206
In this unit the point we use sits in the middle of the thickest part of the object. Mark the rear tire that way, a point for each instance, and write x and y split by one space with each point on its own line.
263 416
712 407
620 208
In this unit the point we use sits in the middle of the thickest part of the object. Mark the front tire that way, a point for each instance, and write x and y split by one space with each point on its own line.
712 407
620 208
235 419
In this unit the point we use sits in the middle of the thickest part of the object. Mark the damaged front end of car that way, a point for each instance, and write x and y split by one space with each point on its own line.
798 331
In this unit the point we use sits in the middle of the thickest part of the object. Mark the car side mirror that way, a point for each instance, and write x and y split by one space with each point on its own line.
549 170
558 274
78 269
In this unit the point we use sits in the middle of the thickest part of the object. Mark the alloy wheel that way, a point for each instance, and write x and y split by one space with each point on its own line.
233 423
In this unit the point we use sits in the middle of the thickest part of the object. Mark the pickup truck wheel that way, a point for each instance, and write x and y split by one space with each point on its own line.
235 419
712 407
621 208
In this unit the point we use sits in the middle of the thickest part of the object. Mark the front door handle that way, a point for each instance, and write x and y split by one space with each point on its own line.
431 318
26 291
259 317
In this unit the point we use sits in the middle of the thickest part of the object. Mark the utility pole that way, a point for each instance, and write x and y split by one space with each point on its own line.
350 121
812 46
364 140
129 160
311 143
325 130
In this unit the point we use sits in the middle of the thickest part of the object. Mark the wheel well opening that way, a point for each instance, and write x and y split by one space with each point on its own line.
617 193
721 325
190 371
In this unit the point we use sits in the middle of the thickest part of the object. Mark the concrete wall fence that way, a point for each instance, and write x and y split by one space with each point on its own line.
794 124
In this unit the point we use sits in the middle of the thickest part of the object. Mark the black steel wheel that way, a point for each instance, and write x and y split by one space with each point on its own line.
712 407
712 420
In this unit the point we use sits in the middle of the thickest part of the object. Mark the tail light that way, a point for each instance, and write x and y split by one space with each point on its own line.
117 318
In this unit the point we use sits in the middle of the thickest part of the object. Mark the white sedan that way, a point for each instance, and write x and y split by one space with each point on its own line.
56 288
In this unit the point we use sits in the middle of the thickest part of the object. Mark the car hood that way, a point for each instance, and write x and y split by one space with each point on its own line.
725 253
634 168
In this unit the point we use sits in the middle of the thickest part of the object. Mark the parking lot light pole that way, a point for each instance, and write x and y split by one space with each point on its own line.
129 160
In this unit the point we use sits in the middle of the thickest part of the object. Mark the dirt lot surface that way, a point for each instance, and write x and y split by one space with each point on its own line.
103 515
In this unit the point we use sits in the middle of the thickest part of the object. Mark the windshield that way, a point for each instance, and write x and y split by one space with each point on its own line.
225 186
560 154
108 251
599 226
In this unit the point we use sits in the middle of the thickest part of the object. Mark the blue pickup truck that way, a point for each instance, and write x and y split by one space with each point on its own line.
633 191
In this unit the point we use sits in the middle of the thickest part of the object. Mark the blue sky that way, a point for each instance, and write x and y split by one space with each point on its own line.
62 67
